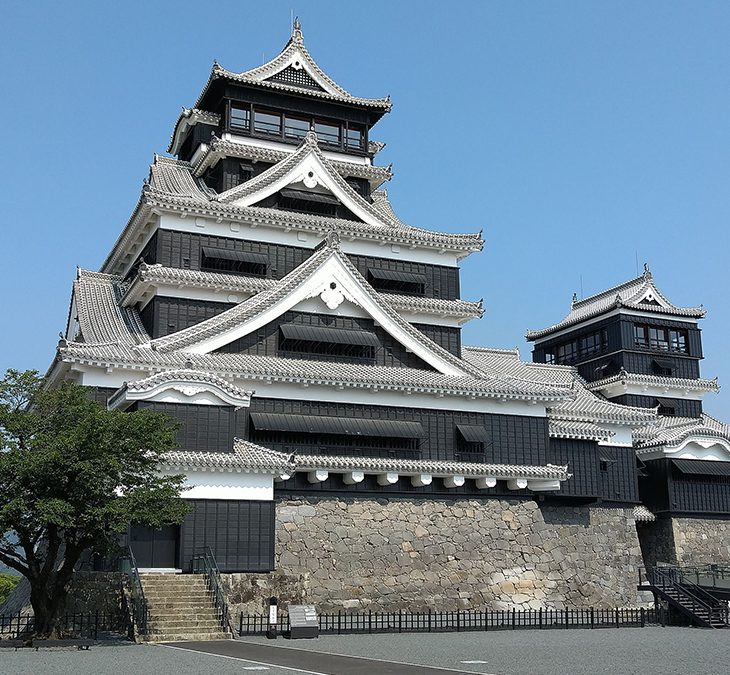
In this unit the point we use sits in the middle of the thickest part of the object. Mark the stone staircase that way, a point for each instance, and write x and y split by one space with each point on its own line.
181 608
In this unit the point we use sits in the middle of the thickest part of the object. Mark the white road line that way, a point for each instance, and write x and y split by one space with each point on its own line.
368 658
238 658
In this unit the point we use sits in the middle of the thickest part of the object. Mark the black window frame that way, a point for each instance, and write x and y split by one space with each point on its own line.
661 338
267 132
236 127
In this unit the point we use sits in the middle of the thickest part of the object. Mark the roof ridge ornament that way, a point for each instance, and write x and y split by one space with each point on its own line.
647 272
332 240
296 31
574 300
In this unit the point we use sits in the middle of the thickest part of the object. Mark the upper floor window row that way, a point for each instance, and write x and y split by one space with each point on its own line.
661 339
259 121
579 348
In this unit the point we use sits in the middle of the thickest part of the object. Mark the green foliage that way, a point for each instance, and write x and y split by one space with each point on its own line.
7 583
73 475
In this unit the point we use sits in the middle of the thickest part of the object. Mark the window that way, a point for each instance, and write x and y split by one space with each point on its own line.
240 119
354 138
266 123
593 343
662 367
327 133
323 343
549 356
233 262
396 281
567 353
245 172
308 202
661 339
295 127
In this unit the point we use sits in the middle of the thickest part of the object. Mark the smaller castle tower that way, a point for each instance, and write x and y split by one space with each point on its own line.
633 346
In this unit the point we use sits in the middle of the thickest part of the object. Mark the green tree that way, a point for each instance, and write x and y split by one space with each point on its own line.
73 475
7 583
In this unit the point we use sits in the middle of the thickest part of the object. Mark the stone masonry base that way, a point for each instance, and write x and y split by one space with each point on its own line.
381 554
686 541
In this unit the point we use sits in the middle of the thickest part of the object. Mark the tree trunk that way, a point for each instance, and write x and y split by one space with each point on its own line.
48 595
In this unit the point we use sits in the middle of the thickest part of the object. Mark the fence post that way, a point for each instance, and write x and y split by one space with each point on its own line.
566 618
643 618
540 618
514 614
593 618
617 624
458 621
400 621
339 622
429 619
96 625
370 621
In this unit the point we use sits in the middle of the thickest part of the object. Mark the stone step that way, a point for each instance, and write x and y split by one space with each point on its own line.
184 626
178 593
171 588
189 637
181 603
191 618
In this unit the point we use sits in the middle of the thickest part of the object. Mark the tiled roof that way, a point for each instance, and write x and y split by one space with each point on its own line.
560 428
218 148
245 455
189 117
172 187
295 55
158 274
433 467
643 515
673 431
584 406
186 375
689 384
638 294
251 457
270 368
100 315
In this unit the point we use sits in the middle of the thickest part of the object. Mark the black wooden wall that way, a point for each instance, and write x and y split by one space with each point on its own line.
683 407
514 439
209 428
665 489
184 250
621 350
241 534
164 315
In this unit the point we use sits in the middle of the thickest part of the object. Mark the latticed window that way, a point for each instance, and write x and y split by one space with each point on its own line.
297 77
660 339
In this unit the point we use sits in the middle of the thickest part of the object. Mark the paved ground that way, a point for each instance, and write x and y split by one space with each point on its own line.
648 651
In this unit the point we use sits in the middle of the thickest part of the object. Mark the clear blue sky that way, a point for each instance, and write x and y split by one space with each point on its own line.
579 135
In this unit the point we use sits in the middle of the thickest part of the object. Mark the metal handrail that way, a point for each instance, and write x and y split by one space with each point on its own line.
140 608
669 578
205 563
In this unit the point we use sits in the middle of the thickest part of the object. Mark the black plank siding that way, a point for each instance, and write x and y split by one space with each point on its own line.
582 460
183 250
163 315
667 490
514 439
240 533
100 394
208 428
265 341
683 407
448 337
618 474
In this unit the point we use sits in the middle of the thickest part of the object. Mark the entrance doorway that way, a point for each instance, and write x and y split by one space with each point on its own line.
155 548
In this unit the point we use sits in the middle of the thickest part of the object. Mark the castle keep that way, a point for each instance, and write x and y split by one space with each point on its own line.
339 442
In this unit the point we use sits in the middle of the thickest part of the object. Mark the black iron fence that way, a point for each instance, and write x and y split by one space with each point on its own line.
463 620
75 625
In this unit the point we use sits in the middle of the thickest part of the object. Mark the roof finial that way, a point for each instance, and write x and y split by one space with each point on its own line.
296 32
647 272
333 239
575 299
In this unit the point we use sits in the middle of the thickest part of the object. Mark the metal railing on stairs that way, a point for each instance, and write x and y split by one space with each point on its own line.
139 610
700 605
205 564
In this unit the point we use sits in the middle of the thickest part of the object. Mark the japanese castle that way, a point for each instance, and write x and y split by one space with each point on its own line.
265 294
